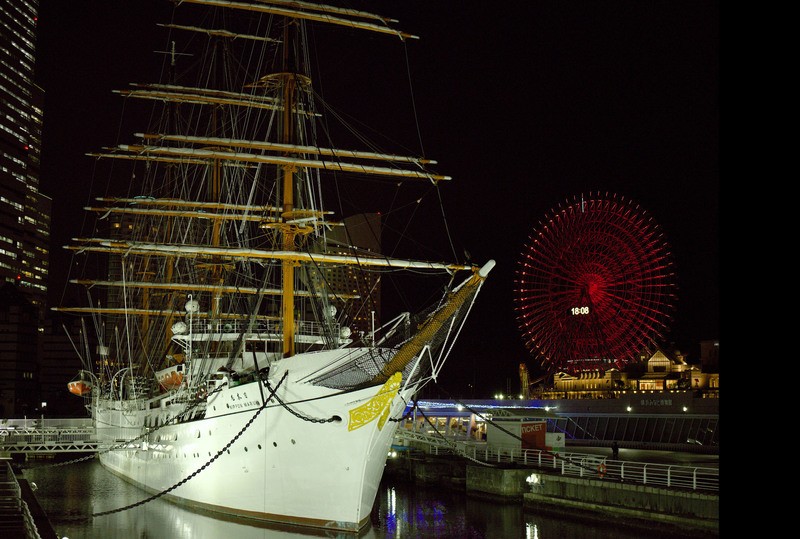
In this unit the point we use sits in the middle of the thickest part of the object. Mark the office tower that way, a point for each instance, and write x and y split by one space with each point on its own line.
24 211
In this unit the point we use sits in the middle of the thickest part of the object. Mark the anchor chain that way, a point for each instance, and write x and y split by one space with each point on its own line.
136 439
293 412
204 466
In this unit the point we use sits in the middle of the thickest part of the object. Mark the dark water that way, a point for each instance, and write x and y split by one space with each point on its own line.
71 493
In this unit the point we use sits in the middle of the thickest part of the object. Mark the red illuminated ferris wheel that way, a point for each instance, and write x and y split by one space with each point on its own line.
595 286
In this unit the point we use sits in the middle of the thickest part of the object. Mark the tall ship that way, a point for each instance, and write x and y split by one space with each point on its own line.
237 357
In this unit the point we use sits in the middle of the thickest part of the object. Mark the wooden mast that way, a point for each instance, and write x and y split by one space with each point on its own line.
287 265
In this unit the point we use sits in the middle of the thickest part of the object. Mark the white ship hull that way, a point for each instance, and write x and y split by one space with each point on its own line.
261 462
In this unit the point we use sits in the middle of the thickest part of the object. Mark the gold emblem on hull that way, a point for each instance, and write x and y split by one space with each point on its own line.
377 406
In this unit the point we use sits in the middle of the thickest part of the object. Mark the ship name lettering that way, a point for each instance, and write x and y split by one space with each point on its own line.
246 404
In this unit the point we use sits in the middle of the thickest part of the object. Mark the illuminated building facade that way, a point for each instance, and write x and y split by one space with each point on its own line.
361 313
24 211
660 373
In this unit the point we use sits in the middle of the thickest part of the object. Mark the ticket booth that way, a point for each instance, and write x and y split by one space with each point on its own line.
517 432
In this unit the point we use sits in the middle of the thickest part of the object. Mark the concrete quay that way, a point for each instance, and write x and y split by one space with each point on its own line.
684 513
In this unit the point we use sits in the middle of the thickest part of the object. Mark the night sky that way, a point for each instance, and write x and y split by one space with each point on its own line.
526 104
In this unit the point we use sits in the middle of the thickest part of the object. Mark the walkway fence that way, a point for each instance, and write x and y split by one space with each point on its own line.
704 479
15 516
48 436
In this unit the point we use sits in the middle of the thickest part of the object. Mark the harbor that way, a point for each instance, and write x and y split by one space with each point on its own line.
277 269
402 509
571 495
663 483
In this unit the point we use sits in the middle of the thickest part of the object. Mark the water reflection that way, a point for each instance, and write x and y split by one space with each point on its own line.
71 493
406 510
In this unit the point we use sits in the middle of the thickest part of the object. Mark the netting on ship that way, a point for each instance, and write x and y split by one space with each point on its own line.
429 334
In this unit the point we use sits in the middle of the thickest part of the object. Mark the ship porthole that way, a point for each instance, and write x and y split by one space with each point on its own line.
274 444
337 419
245 450
293 442
259 446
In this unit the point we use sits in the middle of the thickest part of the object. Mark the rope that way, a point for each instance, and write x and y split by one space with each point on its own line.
554 456
453 446
409 415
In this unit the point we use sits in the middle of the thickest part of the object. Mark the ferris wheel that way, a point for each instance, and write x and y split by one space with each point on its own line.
595 285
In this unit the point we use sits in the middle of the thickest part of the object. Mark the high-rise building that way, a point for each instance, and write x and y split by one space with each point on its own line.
24 214
24 211
362 231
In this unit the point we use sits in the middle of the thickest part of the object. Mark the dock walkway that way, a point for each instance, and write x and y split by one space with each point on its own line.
20 513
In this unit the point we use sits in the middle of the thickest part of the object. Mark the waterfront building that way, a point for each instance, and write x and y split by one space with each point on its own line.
662 373
24 211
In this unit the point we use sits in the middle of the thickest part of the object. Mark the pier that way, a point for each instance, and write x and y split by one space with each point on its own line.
666 472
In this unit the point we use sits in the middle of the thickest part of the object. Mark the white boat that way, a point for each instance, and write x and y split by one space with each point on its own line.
246 365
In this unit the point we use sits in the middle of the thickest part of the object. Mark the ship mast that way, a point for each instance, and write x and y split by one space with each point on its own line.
288 233
288 217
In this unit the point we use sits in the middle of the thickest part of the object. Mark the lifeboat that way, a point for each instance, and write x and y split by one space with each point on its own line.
171 377
80 387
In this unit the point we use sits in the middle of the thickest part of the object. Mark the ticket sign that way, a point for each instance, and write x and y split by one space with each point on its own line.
533 434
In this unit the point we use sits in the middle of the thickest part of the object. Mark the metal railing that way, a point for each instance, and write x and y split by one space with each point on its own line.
15 516
582 465
48 436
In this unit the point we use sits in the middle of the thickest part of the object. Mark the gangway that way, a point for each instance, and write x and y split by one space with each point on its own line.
48 436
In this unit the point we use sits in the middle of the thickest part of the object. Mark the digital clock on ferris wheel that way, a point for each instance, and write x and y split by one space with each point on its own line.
579 310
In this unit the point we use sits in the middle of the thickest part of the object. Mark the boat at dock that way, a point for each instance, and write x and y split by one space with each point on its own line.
241 360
